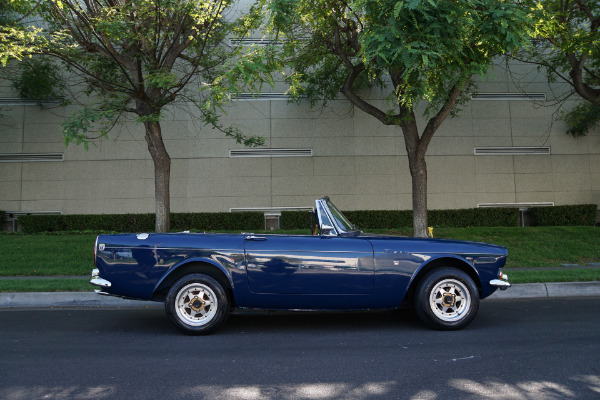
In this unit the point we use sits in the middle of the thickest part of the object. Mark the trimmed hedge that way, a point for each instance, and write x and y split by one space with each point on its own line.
580 215
295 220
576 215
226 221
380 219
99 222
474 217
141 222
391 219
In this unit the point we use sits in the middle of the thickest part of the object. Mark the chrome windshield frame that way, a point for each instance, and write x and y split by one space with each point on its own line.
328 223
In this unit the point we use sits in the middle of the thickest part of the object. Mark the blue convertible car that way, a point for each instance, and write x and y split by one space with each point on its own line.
201 276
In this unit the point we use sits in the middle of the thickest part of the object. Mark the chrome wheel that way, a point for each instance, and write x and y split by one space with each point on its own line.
196 304
446 298
449 300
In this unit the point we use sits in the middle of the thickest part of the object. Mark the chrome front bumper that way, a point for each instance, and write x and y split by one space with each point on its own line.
502 282
97 281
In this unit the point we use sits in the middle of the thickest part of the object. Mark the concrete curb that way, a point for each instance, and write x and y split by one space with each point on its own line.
68 299
556 289
93 300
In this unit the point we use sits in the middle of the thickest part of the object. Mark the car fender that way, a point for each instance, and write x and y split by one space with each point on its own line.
195 260
445 260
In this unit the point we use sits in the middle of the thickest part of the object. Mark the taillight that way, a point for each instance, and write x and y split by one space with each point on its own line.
95 249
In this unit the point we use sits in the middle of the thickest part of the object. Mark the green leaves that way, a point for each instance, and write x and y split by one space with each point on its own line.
570 52
436 44
133 56
39 79
161 79
96 119
582 118
424 47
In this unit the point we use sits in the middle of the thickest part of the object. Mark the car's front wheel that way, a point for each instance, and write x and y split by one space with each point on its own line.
197 304
446 299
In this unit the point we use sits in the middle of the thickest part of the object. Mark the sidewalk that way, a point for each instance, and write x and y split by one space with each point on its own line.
93 300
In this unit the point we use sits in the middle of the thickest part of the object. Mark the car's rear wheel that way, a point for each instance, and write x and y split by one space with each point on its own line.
447 299
197 304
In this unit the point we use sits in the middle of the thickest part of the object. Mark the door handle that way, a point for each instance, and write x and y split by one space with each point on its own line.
257 238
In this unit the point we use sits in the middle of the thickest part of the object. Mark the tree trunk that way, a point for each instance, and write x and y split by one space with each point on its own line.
162 175
416 148
418 173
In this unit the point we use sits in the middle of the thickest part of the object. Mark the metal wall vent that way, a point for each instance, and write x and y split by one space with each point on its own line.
31 157
269 210
509 96
9 101
261 96
271 153
519 205
10 215
255 41
512 151
537 42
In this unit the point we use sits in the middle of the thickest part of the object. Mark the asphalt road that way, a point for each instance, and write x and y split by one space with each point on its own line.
515 349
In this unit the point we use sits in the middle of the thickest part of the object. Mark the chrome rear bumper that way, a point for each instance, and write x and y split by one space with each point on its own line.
97 281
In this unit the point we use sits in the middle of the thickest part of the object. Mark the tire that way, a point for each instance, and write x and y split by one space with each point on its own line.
446 299
197 304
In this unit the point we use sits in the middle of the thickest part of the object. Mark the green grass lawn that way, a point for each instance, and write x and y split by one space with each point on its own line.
566 275
45 285
530 247
543 246
32 255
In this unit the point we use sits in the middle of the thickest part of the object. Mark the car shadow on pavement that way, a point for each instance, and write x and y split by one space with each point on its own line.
319 321
154 321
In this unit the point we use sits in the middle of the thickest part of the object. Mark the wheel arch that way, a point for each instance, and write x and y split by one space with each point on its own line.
206 267
442 262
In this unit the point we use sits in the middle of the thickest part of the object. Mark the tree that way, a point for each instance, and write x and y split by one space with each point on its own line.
135 57
416 50
570 51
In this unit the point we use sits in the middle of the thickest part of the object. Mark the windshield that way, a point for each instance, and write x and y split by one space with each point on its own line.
340 220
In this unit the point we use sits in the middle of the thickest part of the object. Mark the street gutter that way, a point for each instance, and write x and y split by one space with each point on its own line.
93 300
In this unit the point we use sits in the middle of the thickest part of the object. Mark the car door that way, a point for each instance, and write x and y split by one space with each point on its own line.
309 264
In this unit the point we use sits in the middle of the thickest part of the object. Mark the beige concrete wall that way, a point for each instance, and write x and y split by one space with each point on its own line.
356 160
